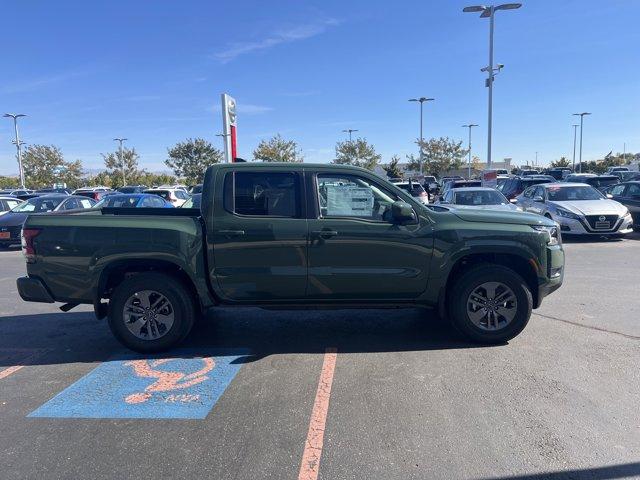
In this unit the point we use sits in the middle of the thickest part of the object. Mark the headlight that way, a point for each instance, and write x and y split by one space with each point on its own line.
553 237
566 213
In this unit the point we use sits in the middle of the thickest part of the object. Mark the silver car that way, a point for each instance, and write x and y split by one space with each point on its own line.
578 208
478 197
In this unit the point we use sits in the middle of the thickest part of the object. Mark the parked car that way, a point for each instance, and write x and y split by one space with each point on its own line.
610 170
502 171
526 173
628 194
414 189
193 202
175 196
559 173
430 184
20 193
451 184
11 222
516 185
580 209
627 176
478 197
601 182
96 193
195 189
7 202
283 235
134 200
46 191
132 189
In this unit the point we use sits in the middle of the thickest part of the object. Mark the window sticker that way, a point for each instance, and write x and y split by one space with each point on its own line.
349 201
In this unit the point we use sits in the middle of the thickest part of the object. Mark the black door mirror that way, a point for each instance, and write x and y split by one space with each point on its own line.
401 213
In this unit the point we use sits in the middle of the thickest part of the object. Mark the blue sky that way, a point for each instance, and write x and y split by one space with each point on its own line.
153 71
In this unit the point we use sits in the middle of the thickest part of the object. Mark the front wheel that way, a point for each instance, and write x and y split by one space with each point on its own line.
151 312
490 304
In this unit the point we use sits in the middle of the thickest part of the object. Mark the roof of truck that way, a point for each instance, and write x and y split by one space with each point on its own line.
286 166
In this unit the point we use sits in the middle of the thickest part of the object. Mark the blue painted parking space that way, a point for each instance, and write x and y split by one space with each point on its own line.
185 385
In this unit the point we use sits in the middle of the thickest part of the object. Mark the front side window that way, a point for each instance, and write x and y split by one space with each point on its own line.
617 190
353 196
634 190
273 194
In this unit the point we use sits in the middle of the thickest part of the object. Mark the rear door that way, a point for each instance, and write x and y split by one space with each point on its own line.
259 235
355 252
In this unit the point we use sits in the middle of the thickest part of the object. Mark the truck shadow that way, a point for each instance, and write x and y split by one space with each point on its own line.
54 338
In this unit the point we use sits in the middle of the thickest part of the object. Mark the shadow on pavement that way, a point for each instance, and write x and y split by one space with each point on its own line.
80 337
625 470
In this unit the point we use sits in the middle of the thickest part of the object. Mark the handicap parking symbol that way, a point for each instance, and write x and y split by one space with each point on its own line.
186 385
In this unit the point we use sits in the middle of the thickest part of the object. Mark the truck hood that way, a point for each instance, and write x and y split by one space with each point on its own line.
592 207
510 207
493 216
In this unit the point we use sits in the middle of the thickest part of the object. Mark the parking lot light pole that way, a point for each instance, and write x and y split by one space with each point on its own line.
421 100
350 131
18 143
489 12
469 126
575 131
581 115
120 140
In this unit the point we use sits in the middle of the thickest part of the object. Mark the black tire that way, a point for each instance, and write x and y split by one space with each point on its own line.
181 301
468 282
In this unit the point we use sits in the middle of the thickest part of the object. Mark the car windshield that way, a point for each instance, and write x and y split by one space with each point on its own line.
560 194
38 205
119 201
129 189
480 197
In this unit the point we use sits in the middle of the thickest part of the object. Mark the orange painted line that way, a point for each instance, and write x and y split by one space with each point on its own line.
310 465
14 368
8 371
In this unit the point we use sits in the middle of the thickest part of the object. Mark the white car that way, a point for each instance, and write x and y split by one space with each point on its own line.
578 208
414 189
482 198
175 196
7 203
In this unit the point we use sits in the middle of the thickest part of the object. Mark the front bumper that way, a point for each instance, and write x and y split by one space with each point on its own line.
570 226
32 289
554 275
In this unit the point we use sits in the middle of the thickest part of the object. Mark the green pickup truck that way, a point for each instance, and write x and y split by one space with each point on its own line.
285 236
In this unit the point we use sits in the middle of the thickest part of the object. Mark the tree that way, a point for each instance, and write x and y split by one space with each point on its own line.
44 165
190 159
358 153
439 155
277 149
561 162
393 169
114 165
9 182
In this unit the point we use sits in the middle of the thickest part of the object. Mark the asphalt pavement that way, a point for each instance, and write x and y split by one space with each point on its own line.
350 394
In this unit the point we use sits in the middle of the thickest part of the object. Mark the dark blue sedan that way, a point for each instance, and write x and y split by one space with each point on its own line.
133 200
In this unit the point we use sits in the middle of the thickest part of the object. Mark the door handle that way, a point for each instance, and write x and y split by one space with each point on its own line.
231 233
325 233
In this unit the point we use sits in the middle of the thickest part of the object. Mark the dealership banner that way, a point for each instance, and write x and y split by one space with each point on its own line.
229 119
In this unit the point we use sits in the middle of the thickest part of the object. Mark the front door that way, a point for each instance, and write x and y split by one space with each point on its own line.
355 251
259 236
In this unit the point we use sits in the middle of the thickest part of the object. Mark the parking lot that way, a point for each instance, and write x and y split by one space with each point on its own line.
391 394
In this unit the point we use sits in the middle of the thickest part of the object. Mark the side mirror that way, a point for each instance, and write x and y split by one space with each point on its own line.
538 198
401 212
609 196
514 200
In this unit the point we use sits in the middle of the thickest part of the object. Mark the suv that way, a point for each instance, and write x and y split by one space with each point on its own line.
514 186
175 196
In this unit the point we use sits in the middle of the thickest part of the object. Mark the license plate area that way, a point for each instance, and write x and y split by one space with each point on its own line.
5 235
603 225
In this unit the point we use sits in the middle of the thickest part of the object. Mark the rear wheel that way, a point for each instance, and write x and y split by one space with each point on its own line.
151 312
490 304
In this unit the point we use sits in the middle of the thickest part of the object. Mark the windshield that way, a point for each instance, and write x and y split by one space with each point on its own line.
117 201
37 205
560 194
480 197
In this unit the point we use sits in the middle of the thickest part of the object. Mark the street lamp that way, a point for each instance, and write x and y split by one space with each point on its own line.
120 140
575 130
18 143
469 126
421 100
581 115
489 11
350 131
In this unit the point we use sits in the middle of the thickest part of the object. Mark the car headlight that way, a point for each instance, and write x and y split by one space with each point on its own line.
566 213
553 237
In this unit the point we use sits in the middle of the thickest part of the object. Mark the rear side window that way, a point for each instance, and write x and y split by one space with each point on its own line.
273 194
